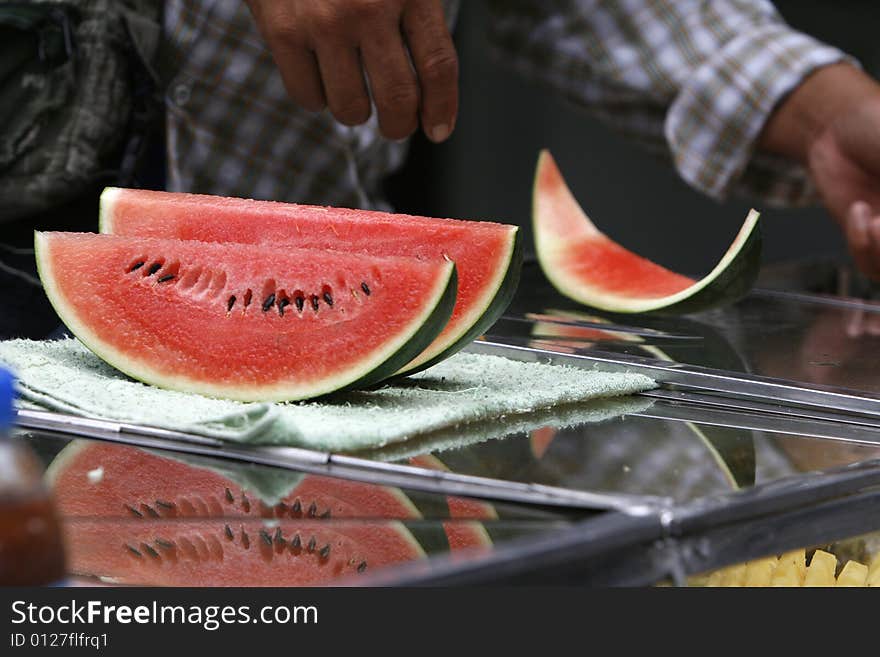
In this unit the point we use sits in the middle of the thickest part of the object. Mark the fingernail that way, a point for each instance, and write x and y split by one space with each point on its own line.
440 133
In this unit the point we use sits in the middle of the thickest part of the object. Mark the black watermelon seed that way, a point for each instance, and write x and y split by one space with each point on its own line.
245 503
279 538
229 533
265 536
366 289
300 302
165 279
151 511
230 304
313 510
362 566
156 266
164 504
312 544
326 515
229 497
134 511
133 550
315 303
282 305
296 542
245 539
328 298
297 507
136 266
325 551
268 303
162 543
149 550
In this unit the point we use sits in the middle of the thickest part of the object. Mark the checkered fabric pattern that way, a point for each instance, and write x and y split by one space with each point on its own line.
694 79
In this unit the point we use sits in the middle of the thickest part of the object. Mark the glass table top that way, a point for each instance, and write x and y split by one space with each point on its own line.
807 332
138 515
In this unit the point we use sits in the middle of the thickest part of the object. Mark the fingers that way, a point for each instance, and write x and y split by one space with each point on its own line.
301 76
863 236
436 62
327 51
392 80
860 323
854 321
404 96
295 61
344 85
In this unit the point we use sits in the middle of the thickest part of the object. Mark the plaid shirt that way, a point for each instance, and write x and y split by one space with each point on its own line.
694 79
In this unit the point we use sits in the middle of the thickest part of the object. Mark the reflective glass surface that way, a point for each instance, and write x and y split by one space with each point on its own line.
143 516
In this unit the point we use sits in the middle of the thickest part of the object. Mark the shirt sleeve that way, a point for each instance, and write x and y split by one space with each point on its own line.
696 79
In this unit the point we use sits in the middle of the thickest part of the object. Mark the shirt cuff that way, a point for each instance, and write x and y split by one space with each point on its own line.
713 125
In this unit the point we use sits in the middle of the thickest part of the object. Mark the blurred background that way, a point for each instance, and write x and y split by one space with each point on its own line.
485 171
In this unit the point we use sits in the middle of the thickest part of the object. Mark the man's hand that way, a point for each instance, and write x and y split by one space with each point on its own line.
831 123
845 164
323 48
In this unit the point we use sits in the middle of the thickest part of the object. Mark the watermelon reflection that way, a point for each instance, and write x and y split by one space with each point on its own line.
136 517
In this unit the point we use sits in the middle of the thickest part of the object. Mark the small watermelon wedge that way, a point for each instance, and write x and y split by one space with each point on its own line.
487 255
585 265
244 322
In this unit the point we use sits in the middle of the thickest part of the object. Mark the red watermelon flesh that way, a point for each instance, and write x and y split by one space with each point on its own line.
133 517
244 322
487 255
540 441
587 266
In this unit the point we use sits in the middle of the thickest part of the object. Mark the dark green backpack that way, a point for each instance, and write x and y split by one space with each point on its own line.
78 97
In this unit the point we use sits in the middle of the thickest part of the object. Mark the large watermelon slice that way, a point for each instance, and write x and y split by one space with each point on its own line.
487 255
246 322
134 517
587 266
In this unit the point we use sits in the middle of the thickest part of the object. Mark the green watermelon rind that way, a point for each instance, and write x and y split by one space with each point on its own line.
731 279
423 331
431 328
501 297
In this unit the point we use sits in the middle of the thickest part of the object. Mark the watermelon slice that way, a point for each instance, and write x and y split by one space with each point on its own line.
133 517
245 322
585 265
487 255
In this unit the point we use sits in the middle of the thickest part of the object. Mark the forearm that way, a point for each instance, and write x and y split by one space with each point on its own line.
697 79
802 117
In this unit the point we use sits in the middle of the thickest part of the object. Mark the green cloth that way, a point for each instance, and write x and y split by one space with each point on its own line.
559 417
464 390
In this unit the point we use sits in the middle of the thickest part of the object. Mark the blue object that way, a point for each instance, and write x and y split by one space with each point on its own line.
7 396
